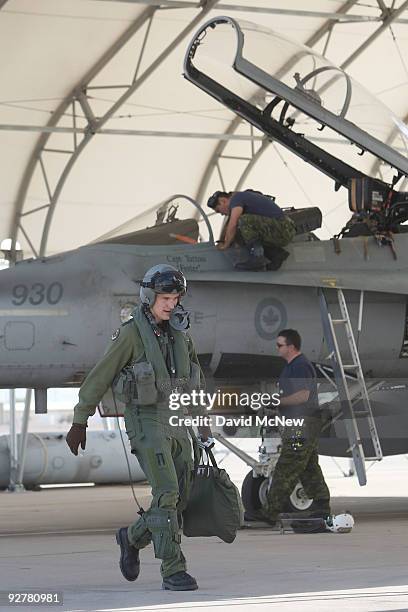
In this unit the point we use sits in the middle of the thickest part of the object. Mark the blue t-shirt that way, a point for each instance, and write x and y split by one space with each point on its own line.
297 375
255 203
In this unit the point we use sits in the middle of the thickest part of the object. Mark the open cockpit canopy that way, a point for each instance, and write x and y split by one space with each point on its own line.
298 98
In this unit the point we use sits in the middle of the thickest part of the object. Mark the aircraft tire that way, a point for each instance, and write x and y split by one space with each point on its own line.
253 493
298 500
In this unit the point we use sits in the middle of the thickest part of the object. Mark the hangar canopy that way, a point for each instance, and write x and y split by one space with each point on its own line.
98 125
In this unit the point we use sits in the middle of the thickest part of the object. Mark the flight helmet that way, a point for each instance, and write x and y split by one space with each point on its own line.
162 278
340 523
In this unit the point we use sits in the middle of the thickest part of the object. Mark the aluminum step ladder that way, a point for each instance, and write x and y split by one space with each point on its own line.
350 395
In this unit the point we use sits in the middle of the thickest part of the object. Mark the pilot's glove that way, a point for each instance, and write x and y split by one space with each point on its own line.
75 437
205 443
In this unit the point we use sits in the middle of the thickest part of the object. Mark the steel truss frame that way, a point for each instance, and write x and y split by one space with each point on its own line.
267 10
77 99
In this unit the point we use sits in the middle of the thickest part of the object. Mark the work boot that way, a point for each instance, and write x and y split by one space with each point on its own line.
254 515
258 516
129 562
323 514
256 260
311 525
312 513
276 256
320 509
180 581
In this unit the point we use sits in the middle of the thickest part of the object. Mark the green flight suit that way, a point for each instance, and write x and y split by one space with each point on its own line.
163 451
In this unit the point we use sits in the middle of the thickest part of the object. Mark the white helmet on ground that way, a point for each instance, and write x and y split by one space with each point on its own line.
340 523
162 278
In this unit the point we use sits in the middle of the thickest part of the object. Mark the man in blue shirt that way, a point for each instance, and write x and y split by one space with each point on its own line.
299 458
261 223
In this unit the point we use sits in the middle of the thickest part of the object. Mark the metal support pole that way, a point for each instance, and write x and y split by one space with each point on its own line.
13 441
23 440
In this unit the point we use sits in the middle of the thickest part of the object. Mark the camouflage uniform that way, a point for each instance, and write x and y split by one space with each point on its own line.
163 451
270 231
298 461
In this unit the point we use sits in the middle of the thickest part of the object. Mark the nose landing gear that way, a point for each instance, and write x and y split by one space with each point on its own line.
255 488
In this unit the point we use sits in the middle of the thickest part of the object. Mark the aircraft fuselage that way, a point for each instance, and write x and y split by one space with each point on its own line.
57 313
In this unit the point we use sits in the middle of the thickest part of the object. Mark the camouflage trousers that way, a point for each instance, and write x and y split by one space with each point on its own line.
271 232
298 461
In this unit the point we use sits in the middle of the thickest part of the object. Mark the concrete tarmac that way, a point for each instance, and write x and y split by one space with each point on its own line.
63 540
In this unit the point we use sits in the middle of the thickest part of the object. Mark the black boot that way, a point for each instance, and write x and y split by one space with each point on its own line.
253 515
180 581
276 256
256 259
320 509
312 525
259 516
129 562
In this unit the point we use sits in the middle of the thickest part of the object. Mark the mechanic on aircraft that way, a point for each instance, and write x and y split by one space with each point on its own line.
151 356
262 225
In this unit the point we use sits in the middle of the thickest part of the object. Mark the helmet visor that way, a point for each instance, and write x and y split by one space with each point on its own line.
168 282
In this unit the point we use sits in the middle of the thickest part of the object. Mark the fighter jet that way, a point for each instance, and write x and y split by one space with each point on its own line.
291 94
57 313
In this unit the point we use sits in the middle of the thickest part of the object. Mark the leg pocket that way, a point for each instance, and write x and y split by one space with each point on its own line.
129 425
164 528
134 428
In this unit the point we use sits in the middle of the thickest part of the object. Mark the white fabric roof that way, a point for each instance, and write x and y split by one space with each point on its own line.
49 49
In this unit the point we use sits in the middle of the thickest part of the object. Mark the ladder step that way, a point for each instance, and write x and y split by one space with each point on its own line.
352 396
